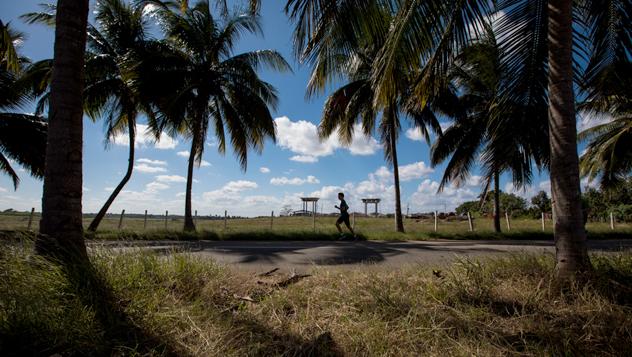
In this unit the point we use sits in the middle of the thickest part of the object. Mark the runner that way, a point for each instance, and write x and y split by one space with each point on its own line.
344 215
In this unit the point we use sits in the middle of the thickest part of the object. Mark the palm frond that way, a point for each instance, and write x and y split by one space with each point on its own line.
23 139
46 16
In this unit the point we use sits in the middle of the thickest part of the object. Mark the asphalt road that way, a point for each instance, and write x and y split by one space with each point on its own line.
297 255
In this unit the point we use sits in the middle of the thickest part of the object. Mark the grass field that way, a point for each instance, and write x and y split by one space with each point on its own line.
303 228
146 304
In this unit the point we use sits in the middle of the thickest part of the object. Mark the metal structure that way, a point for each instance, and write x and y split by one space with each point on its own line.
307 200
366 202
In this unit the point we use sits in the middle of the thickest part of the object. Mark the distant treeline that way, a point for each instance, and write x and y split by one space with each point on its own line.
597 203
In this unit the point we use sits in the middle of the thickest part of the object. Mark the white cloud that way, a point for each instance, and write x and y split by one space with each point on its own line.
144 168
151 162
301 138
264 170
241 185
414 171
296 181
308 159
474 181
185 154
408 172
154 187
2 189
414 134
427 199
145 138
170 178
230 191
363 145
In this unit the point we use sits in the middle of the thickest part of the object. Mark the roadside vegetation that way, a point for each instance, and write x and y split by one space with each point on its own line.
141 303
301 228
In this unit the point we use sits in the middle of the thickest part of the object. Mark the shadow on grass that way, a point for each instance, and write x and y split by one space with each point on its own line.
121 333
263 341
217 236
525 235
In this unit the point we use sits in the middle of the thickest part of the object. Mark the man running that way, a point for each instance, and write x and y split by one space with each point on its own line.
344 215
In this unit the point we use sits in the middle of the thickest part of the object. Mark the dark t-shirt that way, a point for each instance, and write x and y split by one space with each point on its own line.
343 207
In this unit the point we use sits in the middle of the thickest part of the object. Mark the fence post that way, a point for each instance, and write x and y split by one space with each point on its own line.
353 220
31 218
469 220
611 221
507 219
121 220
225 219
166 219
543 225
314 216
435 221
195 219
272 220
145 221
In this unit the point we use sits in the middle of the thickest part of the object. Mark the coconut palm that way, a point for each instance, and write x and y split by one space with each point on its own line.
22 136
210 89
606 85
487 126
115 46
608 155
426 35
353 103
61 225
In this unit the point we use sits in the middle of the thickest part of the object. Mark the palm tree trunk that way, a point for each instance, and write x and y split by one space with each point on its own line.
570 237
399 222
497 202
61 226
189 225
131 127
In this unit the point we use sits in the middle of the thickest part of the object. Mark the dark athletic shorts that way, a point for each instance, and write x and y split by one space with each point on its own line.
343 218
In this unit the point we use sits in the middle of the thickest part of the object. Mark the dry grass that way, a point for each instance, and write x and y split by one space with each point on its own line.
301 228
194 307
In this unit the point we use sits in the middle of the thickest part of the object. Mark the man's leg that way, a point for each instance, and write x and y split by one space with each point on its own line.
345 219
338 225
349 226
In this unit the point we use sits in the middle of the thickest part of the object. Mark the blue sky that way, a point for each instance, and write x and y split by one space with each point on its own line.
297 165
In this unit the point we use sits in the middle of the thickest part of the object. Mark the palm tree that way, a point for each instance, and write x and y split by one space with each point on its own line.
426 34
61 225
486 126
22 136
335 52
606 85
209 86
114 49
608 155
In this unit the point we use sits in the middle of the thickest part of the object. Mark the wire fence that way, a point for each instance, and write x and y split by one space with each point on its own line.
368 225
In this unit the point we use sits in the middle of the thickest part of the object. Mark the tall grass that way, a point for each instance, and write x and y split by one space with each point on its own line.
183 305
